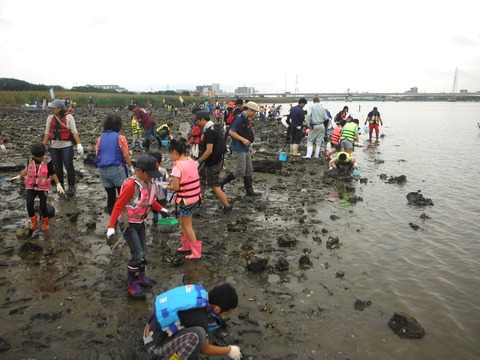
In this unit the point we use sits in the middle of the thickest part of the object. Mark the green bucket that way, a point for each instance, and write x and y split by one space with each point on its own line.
167 225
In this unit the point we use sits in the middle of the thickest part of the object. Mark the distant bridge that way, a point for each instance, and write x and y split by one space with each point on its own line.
363 96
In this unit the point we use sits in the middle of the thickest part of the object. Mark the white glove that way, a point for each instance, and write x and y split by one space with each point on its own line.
79 149
132 170
110 232
3 148
197 163
235 353
60 189
15 178
165 212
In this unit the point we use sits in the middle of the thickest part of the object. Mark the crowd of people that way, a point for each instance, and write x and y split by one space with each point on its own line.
182 317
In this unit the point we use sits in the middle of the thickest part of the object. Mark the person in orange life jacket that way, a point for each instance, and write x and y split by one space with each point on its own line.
61 134
147 122
242 139
233 109
212 157
344 163
112 154
373 118
137 197
186 184
297 118
160 182
196 322
195 138
335 140
37 175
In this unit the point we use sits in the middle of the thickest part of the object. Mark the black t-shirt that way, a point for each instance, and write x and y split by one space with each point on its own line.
213 136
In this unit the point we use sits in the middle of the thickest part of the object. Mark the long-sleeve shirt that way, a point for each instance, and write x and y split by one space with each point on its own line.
316 115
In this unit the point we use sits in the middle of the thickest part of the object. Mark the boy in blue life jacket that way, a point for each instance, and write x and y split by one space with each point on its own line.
181 319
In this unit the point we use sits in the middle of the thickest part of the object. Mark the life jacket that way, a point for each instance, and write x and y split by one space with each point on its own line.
228 115
59 129
348 131
189 191
182 298
109 151
196 135
344 167
163 127
374 117
335 139
140 204
38 179
136 129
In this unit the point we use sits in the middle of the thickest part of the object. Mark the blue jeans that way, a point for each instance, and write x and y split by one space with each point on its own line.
61 157
135 237
151 132
112 176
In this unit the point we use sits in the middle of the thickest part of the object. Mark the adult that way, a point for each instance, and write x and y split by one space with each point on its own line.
91 104
112 155
373 118
61 135
212 156
181 319
316 118
349 136
342 117
297 117
147 122
242 138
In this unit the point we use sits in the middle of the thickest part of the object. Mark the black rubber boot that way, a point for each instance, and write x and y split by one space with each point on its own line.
248 182
229 178
147 145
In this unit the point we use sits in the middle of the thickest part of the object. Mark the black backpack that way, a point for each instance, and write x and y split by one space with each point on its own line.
221 147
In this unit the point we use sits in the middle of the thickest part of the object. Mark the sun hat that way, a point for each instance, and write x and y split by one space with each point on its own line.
252 105
56 104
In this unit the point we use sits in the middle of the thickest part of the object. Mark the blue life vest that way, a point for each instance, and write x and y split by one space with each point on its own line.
109 152
169 303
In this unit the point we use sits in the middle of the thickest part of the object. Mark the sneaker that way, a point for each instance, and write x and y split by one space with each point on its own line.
227 209
70 191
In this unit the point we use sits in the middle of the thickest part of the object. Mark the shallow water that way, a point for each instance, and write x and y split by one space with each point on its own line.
433 273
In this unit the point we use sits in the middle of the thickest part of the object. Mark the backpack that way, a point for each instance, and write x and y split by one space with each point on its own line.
221 147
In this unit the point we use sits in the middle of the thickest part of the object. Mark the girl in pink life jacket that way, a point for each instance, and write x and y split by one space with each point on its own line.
186 184
37 175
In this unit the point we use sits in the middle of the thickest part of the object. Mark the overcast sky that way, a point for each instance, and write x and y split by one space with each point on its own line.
312 46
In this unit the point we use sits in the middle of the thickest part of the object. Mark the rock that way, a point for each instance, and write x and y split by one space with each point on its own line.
333 243
256 263
417 199
406 326
414 226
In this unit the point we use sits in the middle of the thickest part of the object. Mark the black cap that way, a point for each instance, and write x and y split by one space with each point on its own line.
302 101
202 115
239 102
148 164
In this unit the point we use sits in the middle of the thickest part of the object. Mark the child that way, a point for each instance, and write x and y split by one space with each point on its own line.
195 140
335 140
160 182
186 184
136 134
136 198
38 173
218 113
344 163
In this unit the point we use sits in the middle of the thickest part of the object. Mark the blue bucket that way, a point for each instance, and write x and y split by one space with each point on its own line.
356 173
283 156
165 143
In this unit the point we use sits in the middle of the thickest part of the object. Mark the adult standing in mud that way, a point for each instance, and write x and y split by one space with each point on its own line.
147 122
242 137
61 134
297 117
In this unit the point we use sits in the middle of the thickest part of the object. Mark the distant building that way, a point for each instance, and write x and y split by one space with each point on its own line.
245 90
413 90
110 87
463 91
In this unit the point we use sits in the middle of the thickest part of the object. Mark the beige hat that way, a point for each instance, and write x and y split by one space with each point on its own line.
252 105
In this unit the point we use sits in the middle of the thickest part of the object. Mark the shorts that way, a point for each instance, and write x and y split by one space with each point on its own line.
212 174
187 210
112 176
346 144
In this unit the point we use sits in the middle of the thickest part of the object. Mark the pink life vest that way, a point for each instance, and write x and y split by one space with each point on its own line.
190 191
140 204
38 179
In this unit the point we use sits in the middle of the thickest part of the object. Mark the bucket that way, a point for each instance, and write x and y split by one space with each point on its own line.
283 156
165 143
167 225
356 173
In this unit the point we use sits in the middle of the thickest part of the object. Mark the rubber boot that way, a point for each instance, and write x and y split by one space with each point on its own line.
134 145
141 145
295 150
196 247
309 152
134 288
291 149
317 152
45 225
248 182
144 280
229 178
159 142
185 244
34 221
147 145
